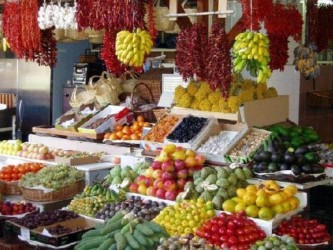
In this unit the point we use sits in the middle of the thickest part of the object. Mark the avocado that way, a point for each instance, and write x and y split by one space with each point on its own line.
265 156
296 170
317 168
300 159
273 167
284 166
277 157
302 150
290 158
311 157
306 168
263 167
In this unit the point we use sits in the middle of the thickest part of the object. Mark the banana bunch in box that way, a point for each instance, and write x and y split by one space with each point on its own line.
251 49
131 48
306 61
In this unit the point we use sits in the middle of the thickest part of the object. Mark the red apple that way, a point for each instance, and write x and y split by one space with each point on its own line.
160 193
170 185
142 189
179 164
151 191
149 182
156 165
157 174
141 179
182 174
168 176
168 166
181 184
134 188
158 184
171 195
200 159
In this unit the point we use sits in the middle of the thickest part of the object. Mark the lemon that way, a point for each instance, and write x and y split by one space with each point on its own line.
240 207
294 202
286 206
278 209
252 211
240 192
229 206
251 188
249 198
265 213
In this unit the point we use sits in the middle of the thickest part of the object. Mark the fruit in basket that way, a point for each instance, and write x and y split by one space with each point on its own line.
263 201
15 172
123 232
216 184
16 208
304 231
231 231
185 217
275 242
185 242
168 175
144 209
55 177
128 132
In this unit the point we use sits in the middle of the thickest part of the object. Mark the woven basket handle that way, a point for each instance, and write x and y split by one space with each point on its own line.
129 73
151 93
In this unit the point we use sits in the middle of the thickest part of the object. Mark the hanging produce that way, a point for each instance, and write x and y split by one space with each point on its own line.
278 49
323 27
251 50
108 54
131 48
83 9
47 54
218 61
191 51
12 27
306 61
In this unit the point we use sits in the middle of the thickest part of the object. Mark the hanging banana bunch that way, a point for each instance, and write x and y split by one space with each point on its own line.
251 49
131 48
306 61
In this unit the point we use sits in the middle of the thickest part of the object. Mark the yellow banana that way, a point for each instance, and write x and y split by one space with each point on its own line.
128 38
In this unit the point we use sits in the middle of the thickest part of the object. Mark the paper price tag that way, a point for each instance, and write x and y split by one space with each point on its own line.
25 233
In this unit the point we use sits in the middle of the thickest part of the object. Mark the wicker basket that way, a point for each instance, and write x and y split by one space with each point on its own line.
320 98
10 188
61 194
147 113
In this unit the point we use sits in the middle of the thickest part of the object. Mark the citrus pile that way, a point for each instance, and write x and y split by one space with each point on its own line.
128 132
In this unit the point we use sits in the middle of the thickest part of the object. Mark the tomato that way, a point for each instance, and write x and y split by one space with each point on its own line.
200 233
215 228
216 239
233 241
231 225
14 176
5 170
321 227
207 227
7 177
15 170
222 230
21 169
240 231
224 238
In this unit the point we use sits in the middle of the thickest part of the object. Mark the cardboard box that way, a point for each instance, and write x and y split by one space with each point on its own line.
265 112
117 115
239 128
77 160
79 226
246 158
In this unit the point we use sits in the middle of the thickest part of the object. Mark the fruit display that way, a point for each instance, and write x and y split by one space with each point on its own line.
187 129
216 184
93 198
35 151
294 136
304 231
45 218
60 230
73 154
306 61
185 217
188 242
162 129
144 209
293 161
275 242
168 173
122 176
16 208
131 48
231 231
247 146
55 177
251 49
216 144
15 172
10 147
123 232
128 132
263 201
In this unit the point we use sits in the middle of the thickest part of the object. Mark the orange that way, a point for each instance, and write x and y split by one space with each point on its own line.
146 124
113 136
141 124
135 137
119 128
107 135
126 137
135 123
126 130
120 134
140 118
135 127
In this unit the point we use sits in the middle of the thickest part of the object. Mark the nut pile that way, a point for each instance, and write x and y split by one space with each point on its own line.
249 143
217 143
